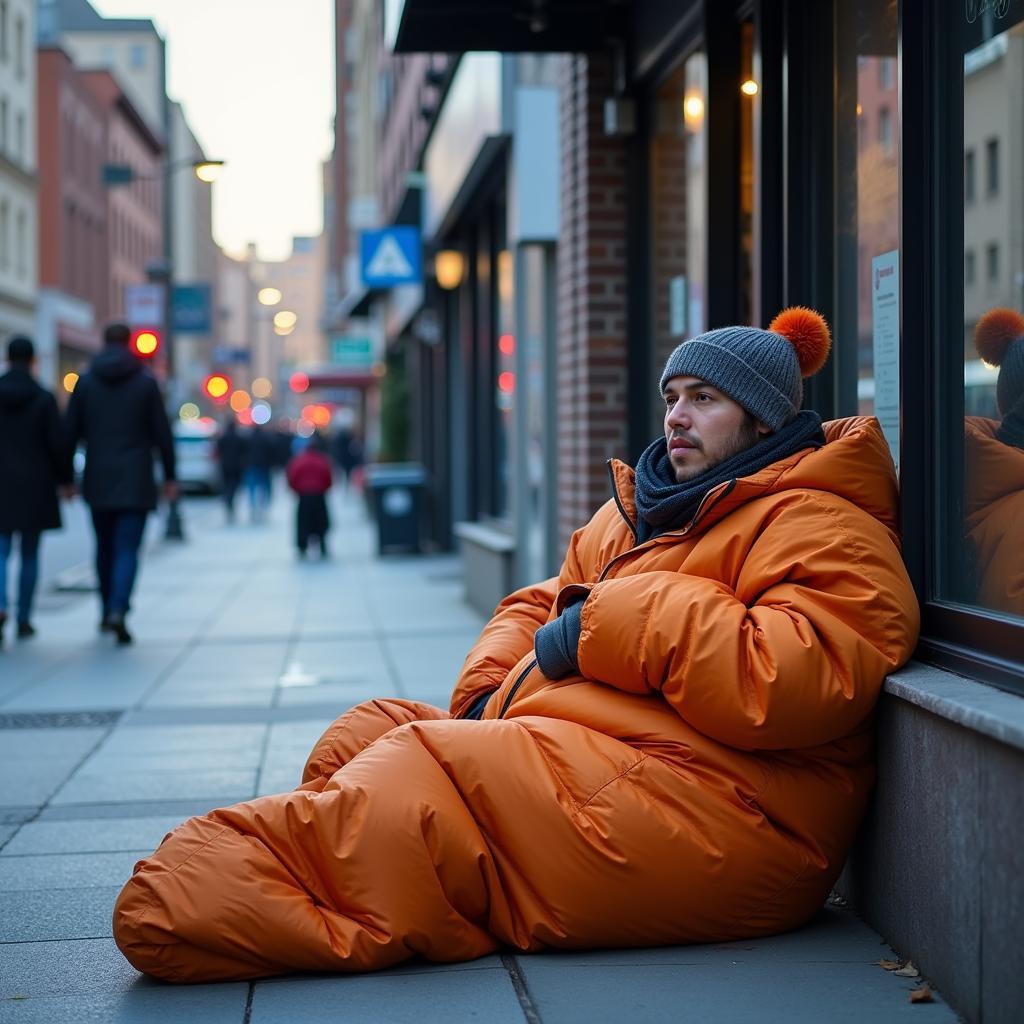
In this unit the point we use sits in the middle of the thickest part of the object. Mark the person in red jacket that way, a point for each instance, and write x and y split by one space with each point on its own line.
309 476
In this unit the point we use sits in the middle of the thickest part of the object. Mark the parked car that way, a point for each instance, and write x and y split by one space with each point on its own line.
195 449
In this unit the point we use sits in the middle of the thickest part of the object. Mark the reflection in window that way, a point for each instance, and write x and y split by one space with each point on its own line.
969 176
867 211
885 129
989 570
678 237
992 167
992 263
969 267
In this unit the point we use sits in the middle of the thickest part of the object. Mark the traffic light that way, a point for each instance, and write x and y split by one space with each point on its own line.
217 386
145 342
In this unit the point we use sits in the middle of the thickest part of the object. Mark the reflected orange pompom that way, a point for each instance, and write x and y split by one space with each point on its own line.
995 330
808 333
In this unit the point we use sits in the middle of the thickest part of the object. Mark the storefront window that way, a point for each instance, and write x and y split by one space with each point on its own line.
867 229
983 553
678 210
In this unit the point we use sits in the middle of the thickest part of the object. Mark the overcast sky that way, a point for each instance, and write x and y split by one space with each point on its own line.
256 79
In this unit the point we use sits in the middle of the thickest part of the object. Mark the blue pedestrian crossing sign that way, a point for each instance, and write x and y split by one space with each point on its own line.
390 256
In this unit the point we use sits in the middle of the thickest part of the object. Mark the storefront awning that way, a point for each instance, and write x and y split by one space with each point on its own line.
513 26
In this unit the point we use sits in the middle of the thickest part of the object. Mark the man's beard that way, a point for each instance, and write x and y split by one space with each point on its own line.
744 438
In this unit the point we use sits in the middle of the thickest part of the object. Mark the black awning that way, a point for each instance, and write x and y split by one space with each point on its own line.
512 26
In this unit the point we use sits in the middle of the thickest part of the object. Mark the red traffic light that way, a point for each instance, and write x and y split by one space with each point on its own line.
145 342
217 386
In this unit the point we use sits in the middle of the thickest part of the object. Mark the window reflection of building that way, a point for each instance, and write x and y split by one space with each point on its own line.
867 201
992 575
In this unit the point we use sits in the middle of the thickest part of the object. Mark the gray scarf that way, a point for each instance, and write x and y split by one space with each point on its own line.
662 504
1011 430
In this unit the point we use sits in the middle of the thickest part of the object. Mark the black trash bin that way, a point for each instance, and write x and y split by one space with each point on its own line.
396 496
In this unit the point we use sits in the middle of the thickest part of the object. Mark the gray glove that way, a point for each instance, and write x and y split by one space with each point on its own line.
556 643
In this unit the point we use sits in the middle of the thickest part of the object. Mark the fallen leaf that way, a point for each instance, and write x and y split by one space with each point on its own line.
922 995
890 965
908 971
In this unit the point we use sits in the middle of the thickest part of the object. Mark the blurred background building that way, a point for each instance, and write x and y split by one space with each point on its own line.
18 167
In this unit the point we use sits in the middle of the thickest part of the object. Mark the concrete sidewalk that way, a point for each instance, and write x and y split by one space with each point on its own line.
242 657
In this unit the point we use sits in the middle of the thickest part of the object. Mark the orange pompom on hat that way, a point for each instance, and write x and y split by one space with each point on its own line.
761 370
999 339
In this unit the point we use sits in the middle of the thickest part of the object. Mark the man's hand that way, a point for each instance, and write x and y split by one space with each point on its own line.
555 643
169 490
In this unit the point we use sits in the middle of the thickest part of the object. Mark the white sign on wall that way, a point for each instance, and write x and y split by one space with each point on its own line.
885 320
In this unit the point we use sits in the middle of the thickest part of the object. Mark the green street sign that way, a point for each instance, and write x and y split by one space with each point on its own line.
351 351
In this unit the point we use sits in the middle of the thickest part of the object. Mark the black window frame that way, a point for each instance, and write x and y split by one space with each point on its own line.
964 639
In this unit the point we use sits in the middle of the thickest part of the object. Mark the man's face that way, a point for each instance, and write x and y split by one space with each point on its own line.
704 427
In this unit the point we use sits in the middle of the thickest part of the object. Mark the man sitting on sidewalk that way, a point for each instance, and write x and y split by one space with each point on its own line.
669 742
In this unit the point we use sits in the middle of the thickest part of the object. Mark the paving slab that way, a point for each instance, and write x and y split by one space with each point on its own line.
87 787
90 836
54 914
50 871
724 992
399 998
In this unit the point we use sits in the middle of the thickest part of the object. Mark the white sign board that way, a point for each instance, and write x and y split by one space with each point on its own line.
885 320
144 305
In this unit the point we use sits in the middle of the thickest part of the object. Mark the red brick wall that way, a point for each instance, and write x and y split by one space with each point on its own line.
591 337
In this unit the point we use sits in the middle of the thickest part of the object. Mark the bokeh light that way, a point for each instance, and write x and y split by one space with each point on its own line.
188 411
305 428
261 413
269 296
262 388
298 382
240 400
285 319
70 380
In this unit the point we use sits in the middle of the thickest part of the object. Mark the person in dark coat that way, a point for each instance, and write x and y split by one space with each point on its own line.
232 455
117 411
261 457
348 454
309 476
33 463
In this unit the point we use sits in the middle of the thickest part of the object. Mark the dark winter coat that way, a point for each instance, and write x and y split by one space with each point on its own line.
232 451
117 411
33 457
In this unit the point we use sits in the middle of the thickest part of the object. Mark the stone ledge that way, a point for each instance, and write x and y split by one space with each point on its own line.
976 706
487 537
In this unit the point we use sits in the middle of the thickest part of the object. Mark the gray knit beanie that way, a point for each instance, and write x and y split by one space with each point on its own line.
761 370
999 339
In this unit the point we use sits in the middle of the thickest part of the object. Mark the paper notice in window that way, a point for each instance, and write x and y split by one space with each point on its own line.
885 317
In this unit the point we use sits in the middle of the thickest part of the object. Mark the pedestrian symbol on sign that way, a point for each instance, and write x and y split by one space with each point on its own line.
388 260
390 257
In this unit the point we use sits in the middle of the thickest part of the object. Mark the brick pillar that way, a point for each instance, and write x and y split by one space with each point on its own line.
591 337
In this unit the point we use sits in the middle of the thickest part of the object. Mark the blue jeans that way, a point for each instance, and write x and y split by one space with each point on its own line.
257 483
118 539
29 575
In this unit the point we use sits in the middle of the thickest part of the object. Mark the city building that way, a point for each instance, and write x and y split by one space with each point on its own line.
74 290
718 162
135 207
134 53
18 168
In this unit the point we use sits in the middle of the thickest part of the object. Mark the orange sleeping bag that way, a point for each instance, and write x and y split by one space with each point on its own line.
700 780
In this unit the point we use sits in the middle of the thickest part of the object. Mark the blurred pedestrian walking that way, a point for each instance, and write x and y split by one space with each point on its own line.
117 411
309 476
348 455
260 459
34 461
231 455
